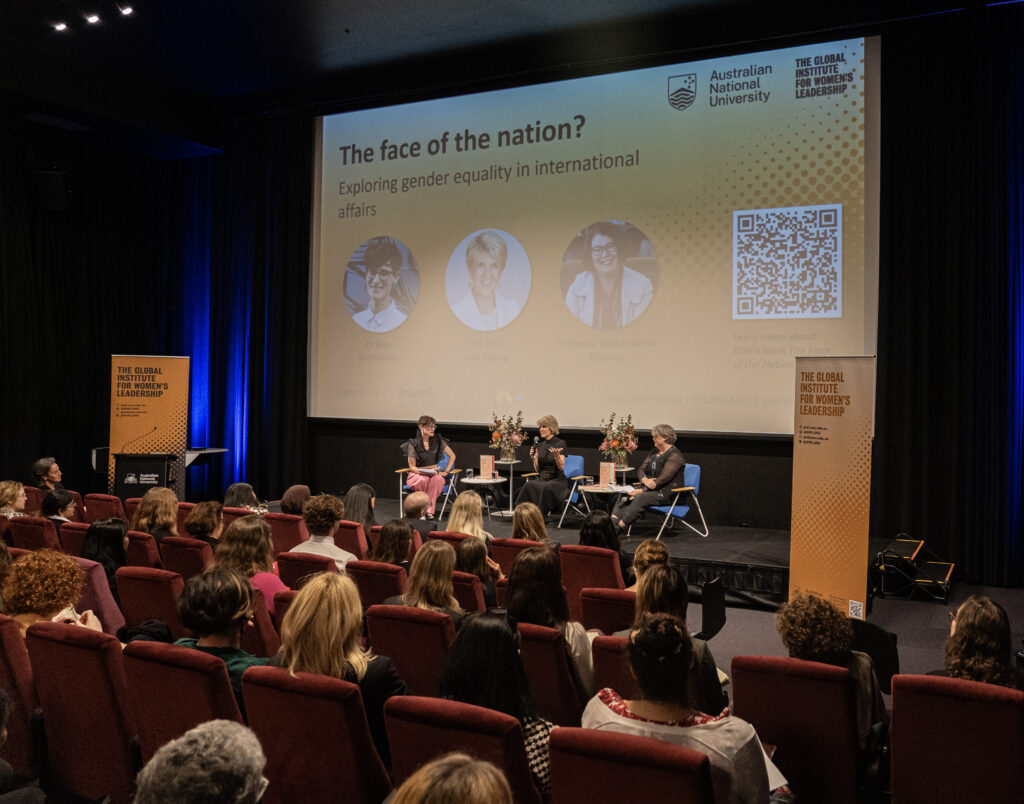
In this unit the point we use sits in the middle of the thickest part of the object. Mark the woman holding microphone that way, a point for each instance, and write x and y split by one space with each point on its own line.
547 491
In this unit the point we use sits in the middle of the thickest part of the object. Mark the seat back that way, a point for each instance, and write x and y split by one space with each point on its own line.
22 748
324 715
282 602
33 499
501 591
417 640
877 643
72 537
5 530
691 477
34 533
172 689
131 505
956 740
103 506
150 594
784 700
295 569
584 567
185 556
349 536
608 610
79 514
504 551
454 539
286 530
184 509
374 537
589 765
712 608
421 729
142 550
231 514
468 591
96 596
547 664
88 727
259 637
376 581
612 668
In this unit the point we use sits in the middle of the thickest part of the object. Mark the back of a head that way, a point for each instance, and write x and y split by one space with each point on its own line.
240 495
815 630
467 514
455 779
204 519
979 647
472 558
648 553
217 601
430 577
104 542
660 652
217 762
415 505
158 509
322 631
294 498
662 590
393 545
321 513
246 546
359 505
43 582
535 593
598 530
528 523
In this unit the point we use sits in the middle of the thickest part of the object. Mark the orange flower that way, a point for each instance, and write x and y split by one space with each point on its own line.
495 435
615 444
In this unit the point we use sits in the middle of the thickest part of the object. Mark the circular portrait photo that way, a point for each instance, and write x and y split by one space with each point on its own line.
609 273
382 284
488 280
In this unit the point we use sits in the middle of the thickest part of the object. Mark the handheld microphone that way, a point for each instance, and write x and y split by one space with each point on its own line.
536 440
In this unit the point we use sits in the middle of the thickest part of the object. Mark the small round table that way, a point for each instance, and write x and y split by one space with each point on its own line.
507 514
483 481
607 496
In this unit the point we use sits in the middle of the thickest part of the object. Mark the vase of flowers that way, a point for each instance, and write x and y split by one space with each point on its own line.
507 434
619 439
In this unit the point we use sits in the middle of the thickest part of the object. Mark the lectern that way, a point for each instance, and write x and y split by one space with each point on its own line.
135 473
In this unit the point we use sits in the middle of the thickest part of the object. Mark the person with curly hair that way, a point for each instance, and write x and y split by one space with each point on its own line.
12 499
44 586
248 547
157 514
978 648
815 630
322 515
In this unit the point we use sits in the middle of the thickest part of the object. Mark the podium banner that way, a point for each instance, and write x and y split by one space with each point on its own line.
149 410
832 430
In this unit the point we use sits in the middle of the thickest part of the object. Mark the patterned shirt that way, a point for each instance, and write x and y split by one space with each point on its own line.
536 733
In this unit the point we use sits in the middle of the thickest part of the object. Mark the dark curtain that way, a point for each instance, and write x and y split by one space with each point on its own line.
943 457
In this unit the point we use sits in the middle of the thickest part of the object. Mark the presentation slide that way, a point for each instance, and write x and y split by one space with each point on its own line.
660 242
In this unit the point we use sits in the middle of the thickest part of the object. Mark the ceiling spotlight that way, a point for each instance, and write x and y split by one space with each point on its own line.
92 19
125 10
60 26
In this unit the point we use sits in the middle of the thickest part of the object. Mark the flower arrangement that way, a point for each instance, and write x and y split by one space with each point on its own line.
619 438
507 434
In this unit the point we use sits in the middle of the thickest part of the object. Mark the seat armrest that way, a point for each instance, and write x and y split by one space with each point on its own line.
683 488
529 474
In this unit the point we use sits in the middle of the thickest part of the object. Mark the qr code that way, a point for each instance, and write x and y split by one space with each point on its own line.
856 610
788 262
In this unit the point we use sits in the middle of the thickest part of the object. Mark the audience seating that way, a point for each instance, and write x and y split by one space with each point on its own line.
712 608
150 594
349 536
231 514
421 729
34 533
96 595
142 550
131 505
325 717
608 610
807 709
282 602
260 637
172 688
376 580
295 569
72 537
586 567
17 552
286 530
549 670
33 499
22 749
468 591
103 506
500 591
588 766
454 539
5 530
504 551
184 509
374 537
880 645
80 681
612 668
956 740
416 640
185 556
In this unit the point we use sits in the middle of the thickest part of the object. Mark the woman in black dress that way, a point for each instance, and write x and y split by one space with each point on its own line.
548 490
661 471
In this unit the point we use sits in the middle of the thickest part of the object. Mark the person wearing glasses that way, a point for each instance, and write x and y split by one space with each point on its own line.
609 294
383 263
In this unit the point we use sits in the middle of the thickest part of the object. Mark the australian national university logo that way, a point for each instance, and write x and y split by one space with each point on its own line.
682 90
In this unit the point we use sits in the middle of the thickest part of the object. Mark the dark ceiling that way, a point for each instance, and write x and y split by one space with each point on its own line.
184 68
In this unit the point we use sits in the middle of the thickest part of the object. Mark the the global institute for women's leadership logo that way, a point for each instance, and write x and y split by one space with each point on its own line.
682 90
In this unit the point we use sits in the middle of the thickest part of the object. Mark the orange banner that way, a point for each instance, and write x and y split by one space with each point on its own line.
832 431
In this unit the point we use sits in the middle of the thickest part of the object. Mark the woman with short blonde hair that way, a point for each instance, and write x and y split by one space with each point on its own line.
467 516
430 581
549 488
455 779
157 513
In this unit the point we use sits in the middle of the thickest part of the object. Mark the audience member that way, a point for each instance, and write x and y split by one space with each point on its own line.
247 547
394 544
157 514
46 474
12 792
217 762
978 648
598 530
414 507
12 499
105 543
215 606
430 581
484 668
359 506
467 516
455 779
813 629
294 499
472 558
58 507
241 495
205 522
322 515
528 524
660 655
323 633
45 585
536 595
648 553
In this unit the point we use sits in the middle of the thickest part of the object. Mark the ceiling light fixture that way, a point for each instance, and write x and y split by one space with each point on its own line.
60 26
92 19
125 10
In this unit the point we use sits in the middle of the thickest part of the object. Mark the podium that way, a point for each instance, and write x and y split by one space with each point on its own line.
135 473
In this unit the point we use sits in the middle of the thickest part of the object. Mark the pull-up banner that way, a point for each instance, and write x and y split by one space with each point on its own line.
149 412
832 431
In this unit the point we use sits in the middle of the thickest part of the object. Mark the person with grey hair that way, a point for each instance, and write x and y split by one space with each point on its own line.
217 761
661 471
484 307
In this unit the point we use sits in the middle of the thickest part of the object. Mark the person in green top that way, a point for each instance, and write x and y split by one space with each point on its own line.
216 605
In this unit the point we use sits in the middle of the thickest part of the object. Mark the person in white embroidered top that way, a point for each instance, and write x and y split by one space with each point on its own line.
485 307
609 294
383 263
